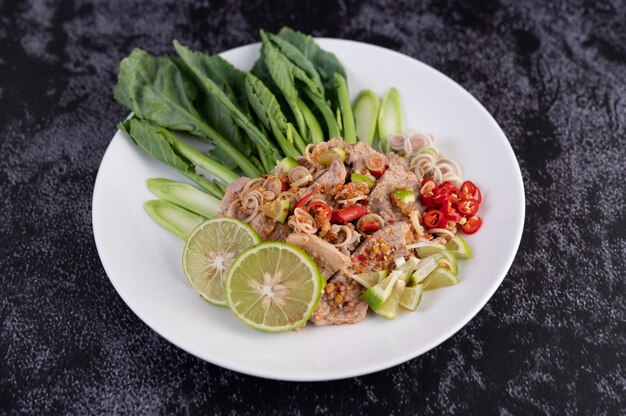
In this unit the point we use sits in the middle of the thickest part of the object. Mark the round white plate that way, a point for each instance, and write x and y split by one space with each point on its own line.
143 260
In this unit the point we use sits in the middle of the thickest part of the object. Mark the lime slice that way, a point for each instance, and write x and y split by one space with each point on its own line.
449 262
210 249
273 287
459 248
376 295
389 309
411 297
369 279
440 278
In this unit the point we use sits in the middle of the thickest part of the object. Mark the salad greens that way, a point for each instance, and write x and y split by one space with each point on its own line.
296 56
326 63
267 109
296 94
156 90
198 64
283 74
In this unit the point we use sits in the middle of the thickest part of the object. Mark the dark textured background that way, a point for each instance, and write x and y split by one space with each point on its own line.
550 341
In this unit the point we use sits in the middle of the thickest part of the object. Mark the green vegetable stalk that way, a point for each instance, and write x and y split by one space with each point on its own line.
162 145
349 132
366 109
327 113
316 135
176 220
389 117
184 196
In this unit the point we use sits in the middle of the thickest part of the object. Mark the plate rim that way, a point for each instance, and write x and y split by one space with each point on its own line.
364 369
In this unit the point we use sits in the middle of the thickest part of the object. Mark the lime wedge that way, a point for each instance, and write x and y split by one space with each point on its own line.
389 309
424 268
411 297
440 278
370 279
449 262
376 295
408 266
273 287
425 249
459 248
209 251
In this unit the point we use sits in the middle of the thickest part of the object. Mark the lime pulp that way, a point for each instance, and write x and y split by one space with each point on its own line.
273 287
209 251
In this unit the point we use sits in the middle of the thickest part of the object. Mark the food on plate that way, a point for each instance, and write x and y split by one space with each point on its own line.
355 214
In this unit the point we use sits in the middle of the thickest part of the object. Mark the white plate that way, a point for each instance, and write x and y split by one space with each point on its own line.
143 261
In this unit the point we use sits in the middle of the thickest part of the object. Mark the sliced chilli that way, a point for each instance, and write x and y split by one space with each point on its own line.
447 185
440 197
427 186
435 219
472 224
369 226
348 214
471 191
453 216
302 202
479 195
320 208
454 196
468 207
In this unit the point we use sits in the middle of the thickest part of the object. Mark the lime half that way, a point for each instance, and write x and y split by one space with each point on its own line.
209 251
273 287
459 248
